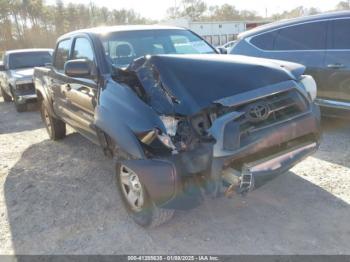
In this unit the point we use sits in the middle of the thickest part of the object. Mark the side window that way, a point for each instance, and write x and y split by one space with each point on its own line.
264 41
62 54
310 36
341 36
83 50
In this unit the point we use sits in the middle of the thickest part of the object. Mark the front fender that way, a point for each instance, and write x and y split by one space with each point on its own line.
121 114
41 89
158 176
121 134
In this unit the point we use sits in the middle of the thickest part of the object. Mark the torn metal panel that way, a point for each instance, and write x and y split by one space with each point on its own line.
197 81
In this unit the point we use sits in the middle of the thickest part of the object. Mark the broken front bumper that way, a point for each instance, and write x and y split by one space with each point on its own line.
169 181
259 172
165 184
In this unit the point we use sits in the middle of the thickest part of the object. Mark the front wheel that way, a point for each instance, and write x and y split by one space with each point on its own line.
20 107
137 201
6 97
55 128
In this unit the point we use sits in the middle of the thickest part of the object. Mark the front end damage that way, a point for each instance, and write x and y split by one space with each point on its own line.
227 144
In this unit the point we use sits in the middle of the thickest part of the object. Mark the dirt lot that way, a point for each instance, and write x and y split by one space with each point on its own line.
60 198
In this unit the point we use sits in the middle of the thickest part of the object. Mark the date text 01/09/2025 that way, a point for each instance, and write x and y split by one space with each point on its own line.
173 258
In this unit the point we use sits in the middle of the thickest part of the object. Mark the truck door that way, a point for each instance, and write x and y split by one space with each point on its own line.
81 93
57 79
337 62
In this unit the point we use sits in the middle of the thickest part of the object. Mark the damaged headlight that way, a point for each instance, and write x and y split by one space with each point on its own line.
150 137
310 86
170 124
166 140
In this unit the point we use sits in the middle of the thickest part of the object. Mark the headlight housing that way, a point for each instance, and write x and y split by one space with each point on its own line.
170 124
149 137
166 140
310 86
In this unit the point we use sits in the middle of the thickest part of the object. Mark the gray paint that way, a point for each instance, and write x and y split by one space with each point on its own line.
121 114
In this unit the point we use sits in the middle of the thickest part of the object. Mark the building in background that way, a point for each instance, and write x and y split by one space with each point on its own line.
217 32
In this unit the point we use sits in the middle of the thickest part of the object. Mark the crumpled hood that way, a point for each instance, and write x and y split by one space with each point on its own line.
196 81
22 73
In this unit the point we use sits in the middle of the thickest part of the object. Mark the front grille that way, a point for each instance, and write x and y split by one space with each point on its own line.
29 87
280 107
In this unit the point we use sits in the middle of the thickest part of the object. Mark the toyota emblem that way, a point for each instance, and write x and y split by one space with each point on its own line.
258 112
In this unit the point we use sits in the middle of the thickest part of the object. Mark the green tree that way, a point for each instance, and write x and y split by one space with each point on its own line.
59 18
343 5
194 9
224 12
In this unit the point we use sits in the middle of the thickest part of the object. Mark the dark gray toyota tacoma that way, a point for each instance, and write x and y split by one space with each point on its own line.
180 120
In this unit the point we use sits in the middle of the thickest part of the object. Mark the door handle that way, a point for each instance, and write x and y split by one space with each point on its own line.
68 87
336 66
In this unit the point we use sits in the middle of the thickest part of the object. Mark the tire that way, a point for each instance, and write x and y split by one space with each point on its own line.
55 128
6 97
145 213
20 107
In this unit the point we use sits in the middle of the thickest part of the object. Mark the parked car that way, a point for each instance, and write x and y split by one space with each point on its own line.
16 75
320 42
178 118
229 45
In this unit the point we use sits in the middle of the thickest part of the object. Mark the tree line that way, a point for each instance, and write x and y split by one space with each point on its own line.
33 23
198 10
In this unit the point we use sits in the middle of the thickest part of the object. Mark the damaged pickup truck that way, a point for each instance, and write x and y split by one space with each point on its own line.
181 120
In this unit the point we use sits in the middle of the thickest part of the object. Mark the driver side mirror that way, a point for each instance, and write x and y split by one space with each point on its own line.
78 68
2 67
222 50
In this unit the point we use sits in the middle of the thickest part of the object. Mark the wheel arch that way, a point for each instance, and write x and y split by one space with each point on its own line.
11 90
42 97
119 132
39 95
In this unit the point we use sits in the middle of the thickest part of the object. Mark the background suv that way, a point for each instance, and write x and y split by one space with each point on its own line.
320 42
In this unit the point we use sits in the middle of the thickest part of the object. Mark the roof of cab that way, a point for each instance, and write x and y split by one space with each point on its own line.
287 22
109 29
28 50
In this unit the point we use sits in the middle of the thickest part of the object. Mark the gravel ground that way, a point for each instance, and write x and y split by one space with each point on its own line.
60 198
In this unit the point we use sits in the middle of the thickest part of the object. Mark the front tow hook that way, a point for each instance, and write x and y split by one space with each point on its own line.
239 182
247 181
255 174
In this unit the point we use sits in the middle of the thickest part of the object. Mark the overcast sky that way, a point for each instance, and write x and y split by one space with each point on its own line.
156 9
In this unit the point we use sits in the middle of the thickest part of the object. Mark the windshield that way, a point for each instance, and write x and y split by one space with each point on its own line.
122 48
27 60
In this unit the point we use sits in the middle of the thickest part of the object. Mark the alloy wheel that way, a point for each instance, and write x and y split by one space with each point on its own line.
132 189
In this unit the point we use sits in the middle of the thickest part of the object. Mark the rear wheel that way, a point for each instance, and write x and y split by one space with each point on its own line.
137 201
6 97
55 128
